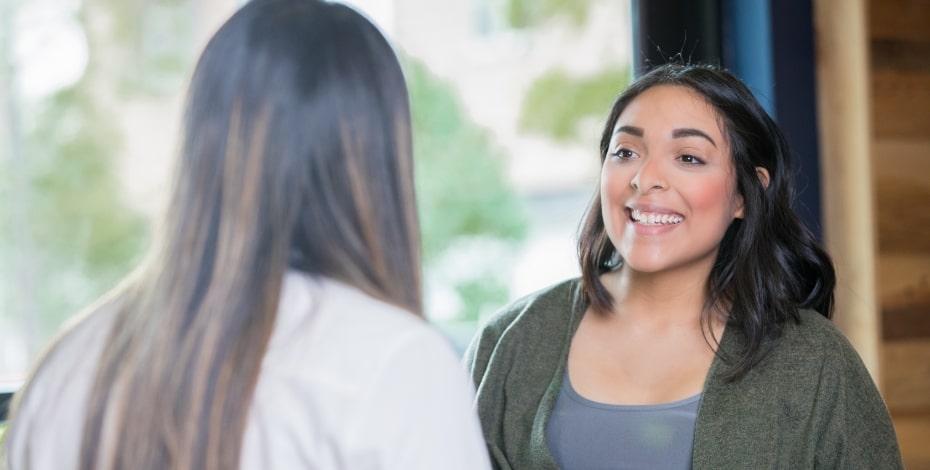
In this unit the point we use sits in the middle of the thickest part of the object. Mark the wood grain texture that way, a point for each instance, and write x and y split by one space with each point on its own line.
904 294
901 104
901 56
903 216
899 87
913 430
906 375
901 178
899 19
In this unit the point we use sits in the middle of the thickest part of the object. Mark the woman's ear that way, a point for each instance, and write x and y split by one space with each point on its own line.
763 175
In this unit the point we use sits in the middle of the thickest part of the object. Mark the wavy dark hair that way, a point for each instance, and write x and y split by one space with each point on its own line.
296 154
769 264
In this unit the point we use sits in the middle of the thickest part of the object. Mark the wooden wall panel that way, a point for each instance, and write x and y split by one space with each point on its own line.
899 43
906 370
901 175
900 55
902 159
904 296
899 19
901 104
913 435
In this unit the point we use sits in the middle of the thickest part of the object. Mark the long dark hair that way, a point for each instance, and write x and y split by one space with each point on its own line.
296 154
769 264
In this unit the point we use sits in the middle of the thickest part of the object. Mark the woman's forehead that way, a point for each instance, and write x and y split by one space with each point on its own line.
668 107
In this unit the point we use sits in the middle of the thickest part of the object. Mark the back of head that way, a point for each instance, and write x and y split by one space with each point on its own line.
298 121
296 154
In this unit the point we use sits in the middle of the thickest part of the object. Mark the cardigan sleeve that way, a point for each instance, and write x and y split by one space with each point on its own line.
857 431
809 403
478 353
476 359
513 362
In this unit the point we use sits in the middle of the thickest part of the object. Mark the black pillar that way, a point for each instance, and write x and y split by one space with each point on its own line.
795 84
665 30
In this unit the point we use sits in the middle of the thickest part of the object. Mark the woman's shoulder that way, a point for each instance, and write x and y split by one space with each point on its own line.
49 407
817 335
350 333
309 303
808 366
815 346
80 340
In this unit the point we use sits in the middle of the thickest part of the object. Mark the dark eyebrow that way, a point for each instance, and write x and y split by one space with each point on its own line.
636 131
687 132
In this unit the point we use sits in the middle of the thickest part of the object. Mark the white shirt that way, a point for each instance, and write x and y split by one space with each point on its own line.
348 382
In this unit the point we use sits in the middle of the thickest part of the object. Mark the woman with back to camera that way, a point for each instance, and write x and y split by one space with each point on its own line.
277 323
698 334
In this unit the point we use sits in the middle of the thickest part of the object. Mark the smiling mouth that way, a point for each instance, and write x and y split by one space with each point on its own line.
654 218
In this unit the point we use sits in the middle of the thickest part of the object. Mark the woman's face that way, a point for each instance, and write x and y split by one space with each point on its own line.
668 190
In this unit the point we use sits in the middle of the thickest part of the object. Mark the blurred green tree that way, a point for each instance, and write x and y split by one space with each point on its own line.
462 190
531 13
84 236
557 102
70 235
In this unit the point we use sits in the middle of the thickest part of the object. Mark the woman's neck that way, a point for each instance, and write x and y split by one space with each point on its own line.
674 297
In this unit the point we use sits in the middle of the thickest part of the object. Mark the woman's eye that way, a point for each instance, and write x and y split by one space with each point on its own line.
623 154
690 159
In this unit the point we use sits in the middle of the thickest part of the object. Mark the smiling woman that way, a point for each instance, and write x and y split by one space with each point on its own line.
699 330
667 189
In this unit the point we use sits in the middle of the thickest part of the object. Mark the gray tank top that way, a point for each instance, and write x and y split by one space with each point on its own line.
584 434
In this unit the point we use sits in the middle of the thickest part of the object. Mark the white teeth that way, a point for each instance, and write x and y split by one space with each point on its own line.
655 218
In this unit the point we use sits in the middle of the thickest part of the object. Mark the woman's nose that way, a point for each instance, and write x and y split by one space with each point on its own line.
648 177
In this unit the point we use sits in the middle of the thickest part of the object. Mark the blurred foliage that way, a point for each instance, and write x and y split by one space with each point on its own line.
557 103
460 175
482 294
73 235
158 46
461 185
522 14
83 237
148 44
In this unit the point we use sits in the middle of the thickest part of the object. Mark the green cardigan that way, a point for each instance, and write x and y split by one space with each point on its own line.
810 402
